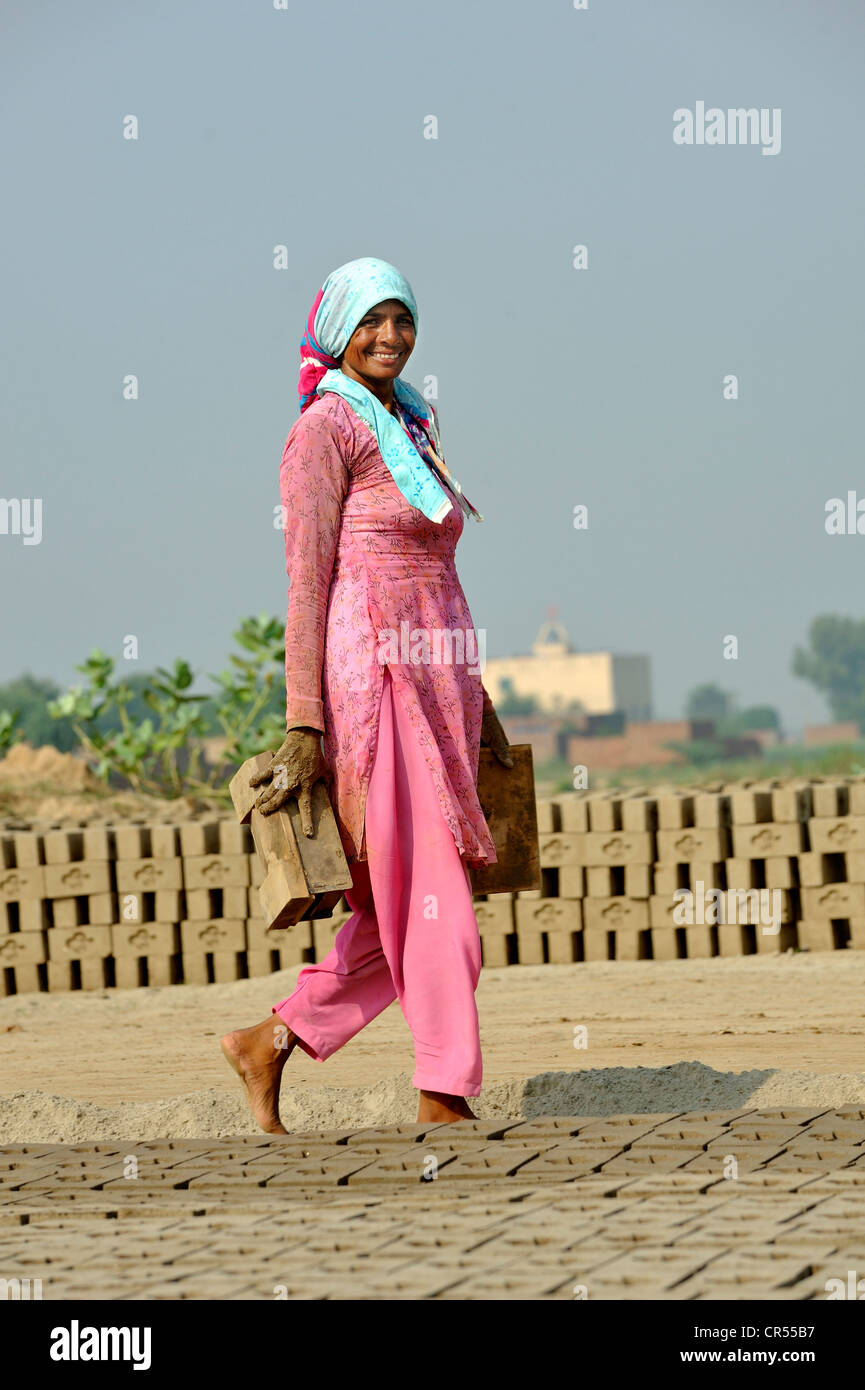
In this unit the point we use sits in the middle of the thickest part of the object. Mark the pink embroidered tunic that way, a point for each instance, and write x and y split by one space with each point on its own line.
366 571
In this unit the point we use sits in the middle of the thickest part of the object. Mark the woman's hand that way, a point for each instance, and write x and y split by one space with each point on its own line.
297 765
493 736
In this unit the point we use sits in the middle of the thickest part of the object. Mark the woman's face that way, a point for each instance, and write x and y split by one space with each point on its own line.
382 343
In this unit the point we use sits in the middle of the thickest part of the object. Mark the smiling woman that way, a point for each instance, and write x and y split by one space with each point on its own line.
373 516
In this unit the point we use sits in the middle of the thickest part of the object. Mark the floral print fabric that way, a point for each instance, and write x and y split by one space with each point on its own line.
362 562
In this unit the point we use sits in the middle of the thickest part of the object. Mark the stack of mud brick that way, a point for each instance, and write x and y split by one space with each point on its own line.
787 859
140 905
135 905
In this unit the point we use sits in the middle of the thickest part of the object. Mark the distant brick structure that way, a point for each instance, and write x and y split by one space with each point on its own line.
818 734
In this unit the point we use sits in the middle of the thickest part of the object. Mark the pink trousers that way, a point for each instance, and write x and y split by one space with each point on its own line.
412 935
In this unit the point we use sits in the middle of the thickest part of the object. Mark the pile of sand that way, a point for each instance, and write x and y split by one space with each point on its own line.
27 766
42 786
35 1117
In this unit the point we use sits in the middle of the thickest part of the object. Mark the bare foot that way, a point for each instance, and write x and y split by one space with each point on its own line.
435 1107
258 1055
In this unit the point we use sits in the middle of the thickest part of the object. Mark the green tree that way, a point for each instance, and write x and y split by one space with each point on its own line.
29 697
834 662
708 702
511 703
162 752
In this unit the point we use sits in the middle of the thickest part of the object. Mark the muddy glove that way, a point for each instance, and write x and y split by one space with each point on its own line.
493 736
297 765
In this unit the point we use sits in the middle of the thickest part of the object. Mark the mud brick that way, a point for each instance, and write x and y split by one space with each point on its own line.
751 806
27 851
638 880
619 847
148 875
327 1172
22 948
834 900
284 954
666 944
63 846
709 875
134 972
712 811
144 939
20 979
781 872
77 880
662 908
766 841
235 838
170 906
19 884
197 966
494 951
164 841
600 882
218 934
604 812
675 810
854 867
546 815
736 939
253 907
596 943
680 846
612 914
559 849
574 814
546 914
816 935
572 881
70 912
285 895
199 838
82 943
667 878
204 904
562 947
784 940
793 802
495 918
530 947
857 933
639 813
216 871
699 941
68 974
132 841
32 914
837 834
817 869
632 943
830 799
101 908
234 902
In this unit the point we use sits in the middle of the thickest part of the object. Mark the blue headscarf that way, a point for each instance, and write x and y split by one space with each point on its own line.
347 294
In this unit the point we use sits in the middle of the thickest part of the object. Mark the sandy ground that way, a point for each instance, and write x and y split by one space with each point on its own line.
661 1036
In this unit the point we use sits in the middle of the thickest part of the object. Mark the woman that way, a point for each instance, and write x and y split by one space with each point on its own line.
380 659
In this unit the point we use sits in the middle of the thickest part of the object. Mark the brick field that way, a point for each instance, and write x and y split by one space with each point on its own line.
765 1205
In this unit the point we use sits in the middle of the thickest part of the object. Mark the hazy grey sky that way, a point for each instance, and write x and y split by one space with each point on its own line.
304 127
